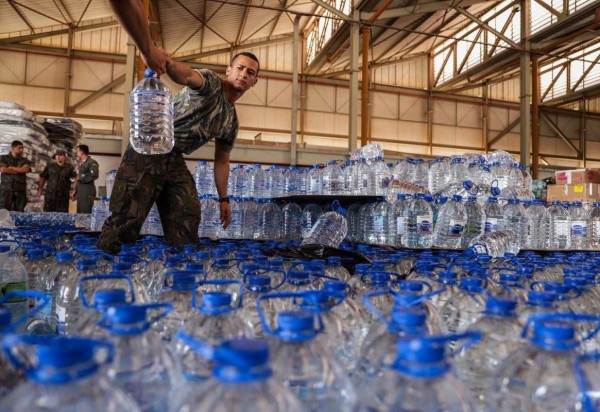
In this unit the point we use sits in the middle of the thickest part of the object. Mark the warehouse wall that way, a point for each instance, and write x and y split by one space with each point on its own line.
399 114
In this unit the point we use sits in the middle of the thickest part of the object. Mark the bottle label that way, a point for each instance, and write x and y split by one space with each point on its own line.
480 249
424 225
400 225
61 315
456 227
491 224
579 228
378 224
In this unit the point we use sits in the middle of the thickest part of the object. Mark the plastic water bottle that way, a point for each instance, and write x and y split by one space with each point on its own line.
151 116
579 226
242 380
204 178
314 180
250 230
419 223
13 277
110 182
515 219
310 214
420 379
269 220
449 230
304 364
361 178
100 212
457 170
92 311
594 226
475 221
495 244
559 227
210 222
379 224
464 307
63 374
142 367
501 335
494 218
499 173
215 323
538 219
437 176
368 152
399 215
379 178
257 285
542 375
330 229
292 217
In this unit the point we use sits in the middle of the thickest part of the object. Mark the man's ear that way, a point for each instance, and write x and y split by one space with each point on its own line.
254 84
227 70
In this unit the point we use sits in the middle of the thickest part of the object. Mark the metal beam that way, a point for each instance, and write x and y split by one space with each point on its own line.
37 12
504 132
29 37
66 11
104 89
560 134
429 7
68 73
56 51
525 84
295 92
201 21
243 25
332 9
21 16
194 56
353 95
477 20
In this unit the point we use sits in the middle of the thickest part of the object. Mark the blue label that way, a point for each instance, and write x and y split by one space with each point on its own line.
578 230
491 225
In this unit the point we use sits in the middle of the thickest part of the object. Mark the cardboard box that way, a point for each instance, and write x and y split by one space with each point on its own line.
568 177
583 192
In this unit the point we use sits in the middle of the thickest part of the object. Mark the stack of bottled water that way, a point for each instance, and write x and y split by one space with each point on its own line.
222 326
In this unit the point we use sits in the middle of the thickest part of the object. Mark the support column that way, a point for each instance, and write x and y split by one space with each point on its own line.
295 92
525 94
364 123
485 116
429 104
130 76
68 74
583 131
535 116
353 96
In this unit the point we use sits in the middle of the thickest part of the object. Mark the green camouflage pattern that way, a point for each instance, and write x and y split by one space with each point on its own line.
11 200
15 183
86 189
58 185
204 114
140 181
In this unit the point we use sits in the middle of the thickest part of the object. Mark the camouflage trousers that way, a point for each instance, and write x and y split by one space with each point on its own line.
56 202
13 200
142 180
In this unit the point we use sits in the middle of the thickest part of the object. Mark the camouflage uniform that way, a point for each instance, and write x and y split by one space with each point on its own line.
86 189
200 115
13 188
56 198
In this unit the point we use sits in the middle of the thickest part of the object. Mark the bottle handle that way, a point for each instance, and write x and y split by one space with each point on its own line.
205 350
81 282
259 300
367 302
41 298
582 382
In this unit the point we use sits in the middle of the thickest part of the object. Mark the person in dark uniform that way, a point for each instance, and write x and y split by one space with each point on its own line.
58 174
204 110
13 182
85 189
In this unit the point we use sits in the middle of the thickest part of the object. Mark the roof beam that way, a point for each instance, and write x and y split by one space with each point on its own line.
56 51
38 12
21 16
487 27
104 89
422 8
29 37
333 10
188 57
201 21
560 134
243 25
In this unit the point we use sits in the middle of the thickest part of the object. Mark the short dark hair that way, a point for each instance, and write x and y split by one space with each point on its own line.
16 143
248 55
85 149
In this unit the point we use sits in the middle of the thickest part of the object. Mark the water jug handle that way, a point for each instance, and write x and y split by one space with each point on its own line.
201 283
189 272
205 350
337 207
283 278
81 282
41 299
470 337
278 295
582 382
367 302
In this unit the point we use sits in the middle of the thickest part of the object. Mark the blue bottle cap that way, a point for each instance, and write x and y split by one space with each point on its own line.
215 302
121 267
334 286
295 326
108 297
259 281
457 198
4 248
87 264
243 353
500 307
409 317
35 254
412 286
148 73
65 257
183 281
5 319
553 334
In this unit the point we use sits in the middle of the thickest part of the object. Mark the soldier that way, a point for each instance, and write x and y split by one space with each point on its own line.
13 182
85 189
58 174
204 110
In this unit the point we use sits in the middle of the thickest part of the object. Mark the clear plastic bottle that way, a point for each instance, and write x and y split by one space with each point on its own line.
210 221
539 220
368 152
110 182
515 219
449 230
314 180
457 170
65 374
291 224
437 174
475 221
13 277
100 212
515 177
380 224
579 226
269 220
310 214
151 116
419 223
331 228
361 178
242 381
204 178
494 218
142 366
559 227
499 173
399 214
594 226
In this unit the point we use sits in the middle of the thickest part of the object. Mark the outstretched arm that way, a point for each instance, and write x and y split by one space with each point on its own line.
132 17
183 74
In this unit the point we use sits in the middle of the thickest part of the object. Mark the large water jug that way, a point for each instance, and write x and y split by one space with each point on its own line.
449 230
579 226
13 277
151 116
420 379
100 212
291 225
242 381
330 229
110 182
559 227
142 367
64 374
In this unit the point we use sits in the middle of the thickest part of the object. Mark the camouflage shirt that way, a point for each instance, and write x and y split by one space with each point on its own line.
17 182
204 114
